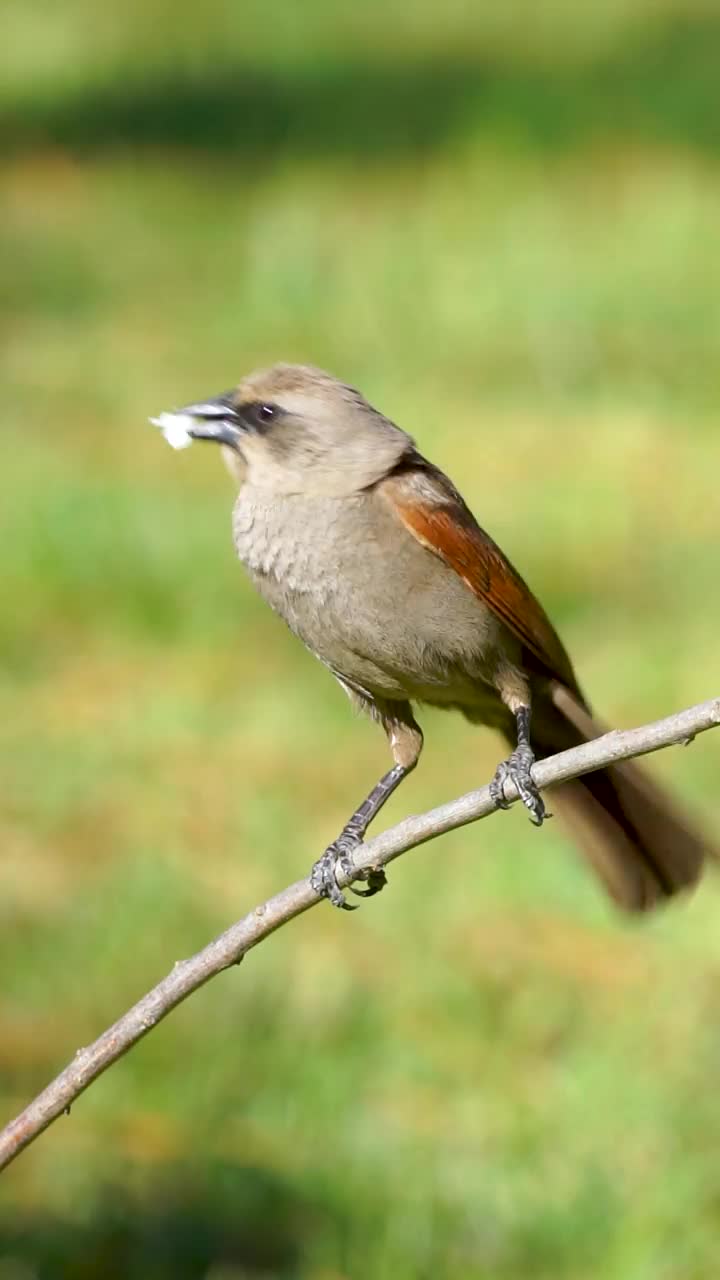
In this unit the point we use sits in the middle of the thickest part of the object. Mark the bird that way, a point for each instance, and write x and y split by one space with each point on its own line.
371 556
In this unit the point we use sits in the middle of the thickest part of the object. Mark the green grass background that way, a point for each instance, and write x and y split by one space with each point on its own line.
501 222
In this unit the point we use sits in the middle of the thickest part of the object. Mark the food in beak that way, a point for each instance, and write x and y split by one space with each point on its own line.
176 428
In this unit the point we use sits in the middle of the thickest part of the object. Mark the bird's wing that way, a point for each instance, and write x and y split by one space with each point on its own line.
429 506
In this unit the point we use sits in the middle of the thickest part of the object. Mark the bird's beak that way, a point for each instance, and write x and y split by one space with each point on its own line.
215 419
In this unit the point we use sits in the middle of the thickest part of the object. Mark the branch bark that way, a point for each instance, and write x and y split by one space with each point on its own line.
231 946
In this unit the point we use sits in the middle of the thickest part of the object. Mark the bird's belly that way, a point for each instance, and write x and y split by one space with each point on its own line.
371 603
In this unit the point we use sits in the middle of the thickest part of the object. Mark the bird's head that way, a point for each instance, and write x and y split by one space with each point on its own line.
294 429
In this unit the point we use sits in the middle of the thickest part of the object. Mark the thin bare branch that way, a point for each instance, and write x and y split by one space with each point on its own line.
230 947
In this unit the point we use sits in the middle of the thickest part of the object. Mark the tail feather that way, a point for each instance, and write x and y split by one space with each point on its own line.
639 843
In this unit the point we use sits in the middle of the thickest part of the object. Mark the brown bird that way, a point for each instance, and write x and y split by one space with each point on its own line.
373 559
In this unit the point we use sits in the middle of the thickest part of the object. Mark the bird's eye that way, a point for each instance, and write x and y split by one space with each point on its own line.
258 413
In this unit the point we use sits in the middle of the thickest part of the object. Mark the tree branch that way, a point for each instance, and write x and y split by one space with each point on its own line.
230 947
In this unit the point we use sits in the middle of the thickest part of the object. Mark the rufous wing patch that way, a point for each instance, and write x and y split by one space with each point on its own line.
434 512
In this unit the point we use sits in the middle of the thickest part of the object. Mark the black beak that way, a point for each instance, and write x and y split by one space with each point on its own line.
215 419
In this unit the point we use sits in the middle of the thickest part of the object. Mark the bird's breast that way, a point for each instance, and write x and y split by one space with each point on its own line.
285 542
363 594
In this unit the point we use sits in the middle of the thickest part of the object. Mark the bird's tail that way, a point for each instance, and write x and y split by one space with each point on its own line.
642 847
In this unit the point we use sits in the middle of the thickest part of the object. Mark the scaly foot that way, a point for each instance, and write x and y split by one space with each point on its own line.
518 769
338 857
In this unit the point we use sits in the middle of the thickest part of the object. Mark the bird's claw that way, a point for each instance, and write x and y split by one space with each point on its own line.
323 876
375 880
338 857
518 769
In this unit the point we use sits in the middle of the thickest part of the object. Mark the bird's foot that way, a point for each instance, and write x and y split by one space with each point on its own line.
338 857
518 769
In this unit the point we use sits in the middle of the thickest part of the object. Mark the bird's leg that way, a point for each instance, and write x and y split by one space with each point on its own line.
338 855
517 768
406 740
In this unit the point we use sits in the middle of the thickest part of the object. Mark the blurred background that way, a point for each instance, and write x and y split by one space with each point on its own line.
501 222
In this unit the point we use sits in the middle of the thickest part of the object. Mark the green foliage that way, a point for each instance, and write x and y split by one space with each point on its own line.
498 220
